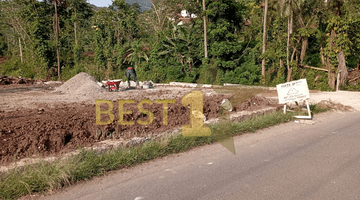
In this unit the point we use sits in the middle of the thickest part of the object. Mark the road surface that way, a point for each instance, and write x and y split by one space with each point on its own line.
289 161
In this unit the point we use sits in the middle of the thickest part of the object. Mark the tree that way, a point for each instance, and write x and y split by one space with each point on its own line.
338 42
289 11
225 17
80 13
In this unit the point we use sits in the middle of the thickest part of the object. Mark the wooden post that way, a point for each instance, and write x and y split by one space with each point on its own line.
285 109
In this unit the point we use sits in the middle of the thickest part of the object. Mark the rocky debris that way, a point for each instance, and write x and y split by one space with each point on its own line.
147 84
52 82
308 122
82 83
325 104
6 80
136 141
226 104
132 84
192 85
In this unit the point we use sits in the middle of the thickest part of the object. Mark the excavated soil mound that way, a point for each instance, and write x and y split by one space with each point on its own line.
255 103
48 131
324 104
62 128
82 83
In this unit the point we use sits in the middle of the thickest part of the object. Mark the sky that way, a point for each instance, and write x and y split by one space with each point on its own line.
145 4
100 3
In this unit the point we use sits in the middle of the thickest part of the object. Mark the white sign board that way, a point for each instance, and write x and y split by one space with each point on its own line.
293 91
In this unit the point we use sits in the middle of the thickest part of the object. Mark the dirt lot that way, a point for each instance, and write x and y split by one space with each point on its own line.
36 120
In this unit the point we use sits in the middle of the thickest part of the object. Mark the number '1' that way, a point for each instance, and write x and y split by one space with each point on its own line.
196 127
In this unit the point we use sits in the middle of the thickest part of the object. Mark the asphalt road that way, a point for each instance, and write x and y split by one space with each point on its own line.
289 161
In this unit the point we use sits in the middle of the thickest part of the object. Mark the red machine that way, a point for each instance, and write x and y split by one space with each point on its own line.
113 85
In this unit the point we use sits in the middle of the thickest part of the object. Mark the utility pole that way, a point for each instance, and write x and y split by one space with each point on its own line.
205 36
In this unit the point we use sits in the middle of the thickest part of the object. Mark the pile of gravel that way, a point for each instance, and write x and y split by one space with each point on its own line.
82 83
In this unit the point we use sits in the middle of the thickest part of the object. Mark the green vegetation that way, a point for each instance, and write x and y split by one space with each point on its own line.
104 41
44 176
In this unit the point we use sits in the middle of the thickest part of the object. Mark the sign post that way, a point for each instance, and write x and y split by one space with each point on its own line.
294 91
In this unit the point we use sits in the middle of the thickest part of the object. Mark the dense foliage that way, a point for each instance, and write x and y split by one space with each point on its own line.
104 42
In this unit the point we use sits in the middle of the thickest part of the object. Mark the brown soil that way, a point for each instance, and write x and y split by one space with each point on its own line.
256 103
46 123
64 127
7 80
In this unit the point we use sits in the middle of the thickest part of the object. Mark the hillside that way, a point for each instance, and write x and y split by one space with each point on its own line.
144 4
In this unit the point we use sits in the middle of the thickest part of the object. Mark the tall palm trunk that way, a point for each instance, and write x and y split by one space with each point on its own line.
205 36
303 50
290 24
264 42
57 27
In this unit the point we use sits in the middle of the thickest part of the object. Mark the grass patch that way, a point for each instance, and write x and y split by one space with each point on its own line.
44 176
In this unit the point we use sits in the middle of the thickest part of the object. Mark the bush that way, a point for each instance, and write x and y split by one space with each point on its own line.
69 72
247 74
311 75
14 67
209 72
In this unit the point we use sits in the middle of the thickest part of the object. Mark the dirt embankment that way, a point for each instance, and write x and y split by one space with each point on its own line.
50 123
63 128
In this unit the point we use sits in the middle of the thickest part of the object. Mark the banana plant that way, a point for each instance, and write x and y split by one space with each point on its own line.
136 53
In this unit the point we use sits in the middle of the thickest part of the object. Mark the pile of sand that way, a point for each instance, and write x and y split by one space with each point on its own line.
82 83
